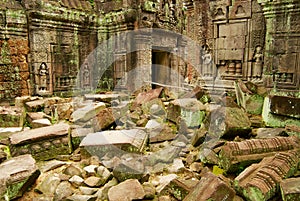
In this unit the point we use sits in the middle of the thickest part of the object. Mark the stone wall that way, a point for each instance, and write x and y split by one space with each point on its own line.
44 44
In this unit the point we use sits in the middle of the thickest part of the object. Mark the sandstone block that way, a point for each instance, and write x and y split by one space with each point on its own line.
17 175
130 189
234 155
260 181
43 143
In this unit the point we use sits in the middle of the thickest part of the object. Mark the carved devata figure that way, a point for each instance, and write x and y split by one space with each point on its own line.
257 64
86 76
207 63
43 74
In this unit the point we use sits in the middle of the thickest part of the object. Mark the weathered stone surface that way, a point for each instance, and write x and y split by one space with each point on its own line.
211 187
163 181
35 106
93 181
81 198
87 190
165 155
114 142
31 116
72 170
107 98
132 169
43 143
63 190
260 181
87 112
234 155
189 110
249 100
290 189
11 117
76 180
268 132
130 189
285 105
197 93
180 188
17 174
103 119
272 119
198 136
160 133
38 123
51 165
145 97
227 122
48 185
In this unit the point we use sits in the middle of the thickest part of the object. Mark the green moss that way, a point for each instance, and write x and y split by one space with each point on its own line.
13 190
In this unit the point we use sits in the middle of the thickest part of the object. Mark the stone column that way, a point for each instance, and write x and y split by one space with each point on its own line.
143 63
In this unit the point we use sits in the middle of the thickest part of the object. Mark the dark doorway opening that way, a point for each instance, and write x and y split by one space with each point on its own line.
161 67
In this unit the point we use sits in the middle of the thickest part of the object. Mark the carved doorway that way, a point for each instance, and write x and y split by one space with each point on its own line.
161 67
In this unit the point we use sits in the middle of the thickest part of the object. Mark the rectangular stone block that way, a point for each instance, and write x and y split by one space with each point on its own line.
114 142
285 105
87 112
17 175
290 189
189 110
260 181
43 143
211 187
235 155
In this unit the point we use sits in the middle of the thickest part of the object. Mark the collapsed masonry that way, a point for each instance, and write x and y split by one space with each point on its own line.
160 144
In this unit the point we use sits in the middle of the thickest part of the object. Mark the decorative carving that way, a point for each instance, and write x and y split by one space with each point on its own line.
43 77
207 62
258 64
86 76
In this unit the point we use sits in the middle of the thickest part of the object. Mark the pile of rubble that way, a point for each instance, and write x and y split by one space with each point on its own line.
151 145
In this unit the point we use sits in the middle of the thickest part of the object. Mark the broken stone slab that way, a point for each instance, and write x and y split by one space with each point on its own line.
31 116
263 133
260 181
131 169
250 101
17 175
48 185
87 112
285 105
197 93
271 118
78 133
180 188
293 129
290 189
165 155
103 119
211 187
39 123
107 98
130 189
76 197
162 181
147 96
35 105
189 110
114 142
227 122
11 116
236 155
159 132
7 131
43 143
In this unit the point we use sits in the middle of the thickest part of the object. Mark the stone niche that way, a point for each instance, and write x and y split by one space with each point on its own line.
239 33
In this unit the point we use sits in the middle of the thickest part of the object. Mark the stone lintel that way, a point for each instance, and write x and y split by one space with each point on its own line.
233 154
39 134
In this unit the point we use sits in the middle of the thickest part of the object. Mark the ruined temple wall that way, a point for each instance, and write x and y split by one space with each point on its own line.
282 52
14 48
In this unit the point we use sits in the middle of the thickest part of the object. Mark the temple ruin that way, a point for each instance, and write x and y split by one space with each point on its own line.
47 45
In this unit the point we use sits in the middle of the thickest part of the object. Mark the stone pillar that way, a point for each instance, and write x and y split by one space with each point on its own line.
143 63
